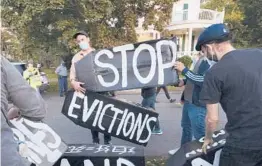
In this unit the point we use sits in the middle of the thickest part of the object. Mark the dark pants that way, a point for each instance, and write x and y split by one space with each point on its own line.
95 136
62 80
165 90
192 122
231 156
149 102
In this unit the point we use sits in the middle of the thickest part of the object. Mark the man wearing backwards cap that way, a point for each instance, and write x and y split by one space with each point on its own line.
83 41
234 82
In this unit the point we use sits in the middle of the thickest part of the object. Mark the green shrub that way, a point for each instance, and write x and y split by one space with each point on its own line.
186 60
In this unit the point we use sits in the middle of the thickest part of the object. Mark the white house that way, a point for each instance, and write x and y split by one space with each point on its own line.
187 22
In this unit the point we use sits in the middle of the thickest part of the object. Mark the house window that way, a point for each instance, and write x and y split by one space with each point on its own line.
185 6
185 12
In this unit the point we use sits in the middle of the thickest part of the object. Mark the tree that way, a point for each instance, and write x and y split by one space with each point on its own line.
48 26
252 21
234 17
17 15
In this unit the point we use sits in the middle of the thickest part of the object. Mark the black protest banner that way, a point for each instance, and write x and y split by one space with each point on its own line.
42 146
131 66
111 116
102 155
191 154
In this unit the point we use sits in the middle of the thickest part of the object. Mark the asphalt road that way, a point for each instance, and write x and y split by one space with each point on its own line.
159 145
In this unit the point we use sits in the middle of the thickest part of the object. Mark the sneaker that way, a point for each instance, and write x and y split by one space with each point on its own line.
107 143
157 132
173 151
172 100
95 143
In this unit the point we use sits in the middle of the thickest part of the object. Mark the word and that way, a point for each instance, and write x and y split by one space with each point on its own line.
111 116
157 63
201 162
114 149
106 162
45 147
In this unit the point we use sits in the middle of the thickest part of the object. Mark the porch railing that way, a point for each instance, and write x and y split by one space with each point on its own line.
201 15
187 53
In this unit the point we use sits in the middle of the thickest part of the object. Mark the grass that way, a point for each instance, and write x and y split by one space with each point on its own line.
53 81
50 73
156 161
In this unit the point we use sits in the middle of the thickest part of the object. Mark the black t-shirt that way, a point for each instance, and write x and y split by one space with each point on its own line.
236 82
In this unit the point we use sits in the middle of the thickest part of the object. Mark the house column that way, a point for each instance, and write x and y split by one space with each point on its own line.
190 33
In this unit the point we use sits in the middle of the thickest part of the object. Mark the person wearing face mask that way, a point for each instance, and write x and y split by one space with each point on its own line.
234 82
194 112
83 40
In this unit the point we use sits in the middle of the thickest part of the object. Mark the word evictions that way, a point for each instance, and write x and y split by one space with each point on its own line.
215 144
119 162
37 148
137 124
154 54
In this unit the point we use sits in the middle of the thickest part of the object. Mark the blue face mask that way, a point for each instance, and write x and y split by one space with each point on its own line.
83 45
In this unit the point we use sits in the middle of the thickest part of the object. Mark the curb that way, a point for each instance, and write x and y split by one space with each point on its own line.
138 91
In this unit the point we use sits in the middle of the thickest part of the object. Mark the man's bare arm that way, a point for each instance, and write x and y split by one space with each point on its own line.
212 119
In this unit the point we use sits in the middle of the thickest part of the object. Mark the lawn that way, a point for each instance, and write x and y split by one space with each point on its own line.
156 161
53 81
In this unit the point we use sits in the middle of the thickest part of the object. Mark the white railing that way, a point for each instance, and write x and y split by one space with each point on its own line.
195 16
186 53
206 14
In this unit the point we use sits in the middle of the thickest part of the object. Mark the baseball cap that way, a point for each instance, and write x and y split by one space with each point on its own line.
80 33
214 33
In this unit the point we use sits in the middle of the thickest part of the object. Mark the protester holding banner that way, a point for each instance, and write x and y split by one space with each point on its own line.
234 82
194 112
83 41
15 89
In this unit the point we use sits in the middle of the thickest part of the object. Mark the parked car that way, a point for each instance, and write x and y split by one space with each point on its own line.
21 67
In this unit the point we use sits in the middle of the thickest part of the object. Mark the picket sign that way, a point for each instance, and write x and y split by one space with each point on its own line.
110 116
44 145
191 154
130 66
